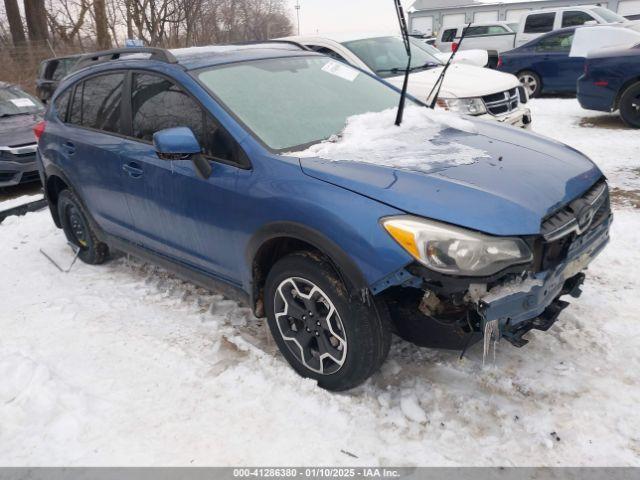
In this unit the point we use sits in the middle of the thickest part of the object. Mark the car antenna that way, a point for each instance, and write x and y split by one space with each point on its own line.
435 91
405 38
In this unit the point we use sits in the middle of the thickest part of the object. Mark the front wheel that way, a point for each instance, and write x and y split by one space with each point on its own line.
321 332
630 106
531 82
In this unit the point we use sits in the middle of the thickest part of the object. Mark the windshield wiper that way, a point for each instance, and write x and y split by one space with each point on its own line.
426 66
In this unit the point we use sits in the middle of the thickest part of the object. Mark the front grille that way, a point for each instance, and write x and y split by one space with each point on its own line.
502 103
580 215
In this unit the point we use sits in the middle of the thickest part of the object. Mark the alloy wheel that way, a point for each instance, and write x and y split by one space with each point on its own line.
530 83
310 325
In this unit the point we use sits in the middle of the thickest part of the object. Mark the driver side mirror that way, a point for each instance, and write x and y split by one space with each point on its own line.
180 143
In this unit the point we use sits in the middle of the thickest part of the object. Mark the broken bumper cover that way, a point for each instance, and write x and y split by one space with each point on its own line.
534 303
518 118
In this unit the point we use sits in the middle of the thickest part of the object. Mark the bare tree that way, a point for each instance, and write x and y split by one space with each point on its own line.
36 16
103 40
15 22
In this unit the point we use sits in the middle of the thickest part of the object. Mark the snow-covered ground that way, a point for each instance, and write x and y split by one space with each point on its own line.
124 364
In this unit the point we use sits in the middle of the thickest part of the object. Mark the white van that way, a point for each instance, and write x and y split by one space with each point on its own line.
538 22
504 36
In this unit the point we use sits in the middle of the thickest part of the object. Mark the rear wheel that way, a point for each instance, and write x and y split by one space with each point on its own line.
321 332
531 82
630 106
78 230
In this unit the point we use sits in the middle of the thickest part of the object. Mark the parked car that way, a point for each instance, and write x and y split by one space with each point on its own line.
495 37
538 22
50 72
476 57
504 36
544 64
611 82
186 158
466 89
19 113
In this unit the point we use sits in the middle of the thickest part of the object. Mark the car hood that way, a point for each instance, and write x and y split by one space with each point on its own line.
522 179
18 130
461 81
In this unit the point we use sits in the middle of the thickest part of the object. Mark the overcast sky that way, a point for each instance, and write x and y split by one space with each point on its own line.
333 16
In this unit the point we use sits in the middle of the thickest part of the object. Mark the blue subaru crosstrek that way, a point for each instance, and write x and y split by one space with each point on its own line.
184 158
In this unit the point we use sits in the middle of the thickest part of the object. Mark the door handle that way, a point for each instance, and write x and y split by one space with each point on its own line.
133 169
69 147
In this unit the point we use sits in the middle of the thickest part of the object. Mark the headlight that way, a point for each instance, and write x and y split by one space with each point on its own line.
467 106
454 250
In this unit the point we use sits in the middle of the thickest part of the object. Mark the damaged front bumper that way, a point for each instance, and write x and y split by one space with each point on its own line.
534 302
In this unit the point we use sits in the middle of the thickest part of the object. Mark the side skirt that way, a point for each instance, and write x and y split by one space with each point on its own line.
201 279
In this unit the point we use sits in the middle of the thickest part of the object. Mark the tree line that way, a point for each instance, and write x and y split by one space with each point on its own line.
86 25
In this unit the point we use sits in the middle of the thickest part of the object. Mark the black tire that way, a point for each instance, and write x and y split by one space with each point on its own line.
630 106
531 82
359 336
78 230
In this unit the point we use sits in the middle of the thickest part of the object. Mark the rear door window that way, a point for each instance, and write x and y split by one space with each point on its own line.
556 43
539 23
476 31
157 104
575 18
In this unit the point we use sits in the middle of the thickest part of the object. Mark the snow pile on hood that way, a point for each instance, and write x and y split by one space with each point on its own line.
374 138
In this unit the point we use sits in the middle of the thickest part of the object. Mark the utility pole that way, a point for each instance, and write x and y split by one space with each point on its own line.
298 14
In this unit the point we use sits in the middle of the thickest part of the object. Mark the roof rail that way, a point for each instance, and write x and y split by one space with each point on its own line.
156 53
285 42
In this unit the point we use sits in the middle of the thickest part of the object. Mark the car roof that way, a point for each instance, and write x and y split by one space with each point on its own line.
198 57
191 58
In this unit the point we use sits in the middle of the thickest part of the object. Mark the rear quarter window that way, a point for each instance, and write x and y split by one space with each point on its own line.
97 102
449 35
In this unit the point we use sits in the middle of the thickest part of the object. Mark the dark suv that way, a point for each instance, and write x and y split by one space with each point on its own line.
441 230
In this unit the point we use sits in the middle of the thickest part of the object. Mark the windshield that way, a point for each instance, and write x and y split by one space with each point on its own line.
608 15
14 101
387 56
296 101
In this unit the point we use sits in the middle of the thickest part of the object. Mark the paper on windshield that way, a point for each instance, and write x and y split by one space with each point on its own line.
592 38
22 102
341 70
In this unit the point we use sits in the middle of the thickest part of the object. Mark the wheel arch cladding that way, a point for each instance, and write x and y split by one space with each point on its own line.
274 241
55 184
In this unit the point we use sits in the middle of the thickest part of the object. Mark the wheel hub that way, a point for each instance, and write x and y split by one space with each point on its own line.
310 325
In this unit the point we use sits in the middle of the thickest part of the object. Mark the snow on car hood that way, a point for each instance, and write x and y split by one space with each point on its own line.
491 178
373 138
461 81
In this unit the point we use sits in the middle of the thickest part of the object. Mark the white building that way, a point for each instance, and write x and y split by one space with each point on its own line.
429 16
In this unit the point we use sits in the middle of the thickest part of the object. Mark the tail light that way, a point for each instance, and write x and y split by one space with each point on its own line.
499 64
38 130
454 47
601 83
